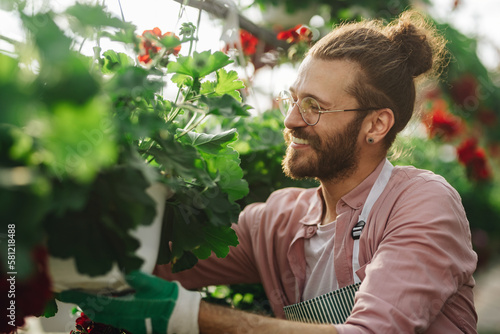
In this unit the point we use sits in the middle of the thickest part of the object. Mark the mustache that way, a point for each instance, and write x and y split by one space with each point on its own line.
314 140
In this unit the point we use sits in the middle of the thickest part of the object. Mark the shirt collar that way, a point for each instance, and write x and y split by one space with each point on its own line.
357 197
354 199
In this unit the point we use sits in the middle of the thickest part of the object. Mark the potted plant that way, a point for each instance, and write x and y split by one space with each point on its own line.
85 140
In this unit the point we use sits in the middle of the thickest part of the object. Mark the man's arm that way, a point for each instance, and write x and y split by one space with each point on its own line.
215 319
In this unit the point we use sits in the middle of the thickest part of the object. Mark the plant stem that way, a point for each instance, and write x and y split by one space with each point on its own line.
191 128
197 32
177 110
9 40
191 121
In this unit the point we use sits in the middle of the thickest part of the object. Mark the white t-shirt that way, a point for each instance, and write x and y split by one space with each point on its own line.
320 273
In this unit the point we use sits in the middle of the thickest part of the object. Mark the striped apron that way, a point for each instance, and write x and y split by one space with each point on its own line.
334 307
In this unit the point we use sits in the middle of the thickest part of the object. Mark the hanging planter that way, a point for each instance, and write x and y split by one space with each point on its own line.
64 272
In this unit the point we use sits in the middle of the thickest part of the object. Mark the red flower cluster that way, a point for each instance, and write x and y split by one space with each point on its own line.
248 43
441 123
84 325
299 33
464 90
31 295
149 47
474 158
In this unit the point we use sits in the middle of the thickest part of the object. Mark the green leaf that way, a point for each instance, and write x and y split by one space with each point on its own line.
221 161
52 43
114 61
200 64
196 222
127 35
210 143
187 29
8 68
95 16
208 87
116 204
228 83
186 261
226 165
182 79
79 139
169 41
50 308
226 106
217 239
175 158
134 82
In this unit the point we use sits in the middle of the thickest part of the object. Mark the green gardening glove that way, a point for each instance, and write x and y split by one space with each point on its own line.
158 306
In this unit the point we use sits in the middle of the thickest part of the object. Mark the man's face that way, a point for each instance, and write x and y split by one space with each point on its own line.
328 150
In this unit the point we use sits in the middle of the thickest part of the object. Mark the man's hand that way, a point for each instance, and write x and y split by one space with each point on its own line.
158 306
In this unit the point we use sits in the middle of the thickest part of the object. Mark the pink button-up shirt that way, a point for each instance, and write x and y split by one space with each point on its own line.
416 255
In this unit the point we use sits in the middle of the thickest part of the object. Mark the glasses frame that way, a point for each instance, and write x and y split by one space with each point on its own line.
319 112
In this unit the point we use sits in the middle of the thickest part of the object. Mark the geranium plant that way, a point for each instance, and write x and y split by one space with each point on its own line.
83 137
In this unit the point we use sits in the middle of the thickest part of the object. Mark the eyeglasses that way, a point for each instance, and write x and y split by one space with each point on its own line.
309 108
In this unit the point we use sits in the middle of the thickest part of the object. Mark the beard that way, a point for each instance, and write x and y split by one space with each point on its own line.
336 158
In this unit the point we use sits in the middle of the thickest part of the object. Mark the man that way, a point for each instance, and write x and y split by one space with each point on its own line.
399 232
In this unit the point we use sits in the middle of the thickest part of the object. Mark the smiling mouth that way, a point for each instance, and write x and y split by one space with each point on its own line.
300 141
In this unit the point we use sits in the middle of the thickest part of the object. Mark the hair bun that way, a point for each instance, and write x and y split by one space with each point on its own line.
411 35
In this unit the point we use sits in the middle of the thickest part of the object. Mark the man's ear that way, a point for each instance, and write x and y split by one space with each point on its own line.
378 125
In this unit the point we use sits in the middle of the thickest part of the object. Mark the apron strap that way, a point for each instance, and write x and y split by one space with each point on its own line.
377 189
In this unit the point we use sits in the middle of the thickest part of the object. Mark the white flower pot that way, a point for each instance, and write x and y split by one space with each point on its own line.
65 275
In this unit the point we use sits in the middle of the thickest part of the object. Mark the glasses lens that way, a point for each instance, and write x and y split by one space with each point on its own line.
285 102
310 110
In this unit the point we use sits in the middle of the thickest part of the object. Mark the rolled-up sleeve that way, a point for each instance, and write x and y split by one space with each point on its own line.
423 259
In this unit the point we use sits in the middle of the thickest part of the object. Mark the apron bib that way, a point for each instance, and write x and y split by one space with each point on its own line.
335 307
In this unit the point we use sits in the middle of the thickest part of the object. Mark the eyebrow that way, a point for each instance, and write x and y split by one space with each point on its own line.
320 100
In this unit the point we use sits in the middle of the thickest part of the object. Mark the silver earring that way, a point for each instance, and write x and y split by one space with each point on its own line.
370 140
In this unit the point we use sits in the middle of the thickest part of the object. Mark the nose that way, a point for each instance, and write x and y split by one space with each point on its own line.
294 119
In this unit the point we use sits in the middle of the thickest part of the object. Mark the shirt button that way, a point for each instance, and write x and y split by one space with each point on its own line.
360 203
310 231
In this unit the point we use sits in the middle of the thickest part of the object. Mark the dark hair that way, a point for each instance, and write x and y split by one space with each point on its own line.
390 57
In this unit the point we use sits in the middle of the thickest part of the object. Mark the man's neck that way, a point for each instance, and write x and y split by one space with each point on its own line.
333 190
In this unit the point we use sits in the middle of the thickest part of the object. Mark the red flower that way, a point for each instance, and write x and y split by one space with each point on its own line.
442 123
248 42
148 46
297 34
31 294
474 159
84 325
464 90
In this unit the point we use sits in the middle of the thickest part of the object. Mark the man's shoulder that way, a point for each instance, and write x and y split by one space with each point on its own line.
412 179
413 175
